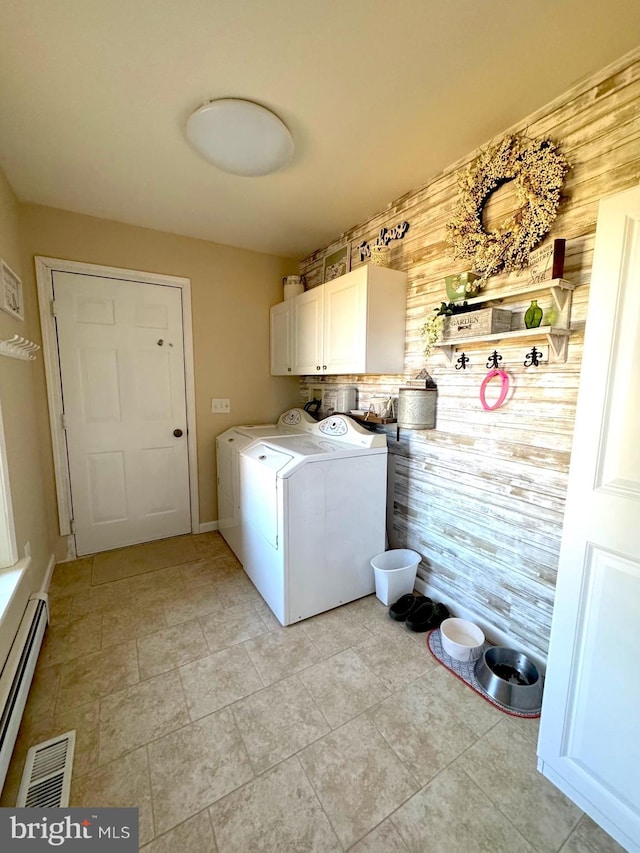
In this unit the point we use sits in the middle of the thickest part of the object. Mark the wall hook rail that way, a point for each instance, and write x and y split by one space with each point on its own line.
532 358
494 360
18 347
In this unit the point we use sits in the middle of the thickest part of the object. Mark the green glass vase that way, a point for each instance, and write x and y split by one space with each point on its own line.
533 315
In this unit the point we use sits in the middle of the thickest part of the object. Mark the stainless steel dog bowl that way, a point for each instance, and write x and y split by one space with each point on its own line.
510 678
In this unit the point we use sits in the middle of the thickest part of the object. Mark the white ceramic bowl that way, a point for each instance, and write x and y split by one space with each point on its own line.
461 640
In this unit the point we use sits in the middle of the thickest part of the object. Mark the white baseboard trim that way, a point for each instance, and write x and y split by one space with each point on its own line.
208 526
493 634
44 586
71 548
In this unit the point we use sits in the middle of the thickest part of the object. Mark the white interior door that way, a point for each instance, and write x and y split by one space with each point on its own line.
123 385
589 736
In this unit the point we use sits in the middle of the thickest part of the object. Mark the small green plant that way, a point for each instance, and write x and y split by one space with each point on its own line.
431 332
447 309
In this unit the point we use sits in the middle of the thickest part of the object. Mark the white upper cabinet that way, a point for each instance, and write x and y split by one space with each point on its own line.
308 349
353 324
344 324
282 339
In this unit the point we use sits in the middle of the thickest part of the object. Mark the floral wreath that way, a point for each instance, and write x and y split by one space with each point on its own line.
537 169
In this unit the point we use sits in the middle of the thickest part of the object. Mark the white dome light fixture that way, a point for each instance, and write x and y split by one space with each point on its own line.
240 137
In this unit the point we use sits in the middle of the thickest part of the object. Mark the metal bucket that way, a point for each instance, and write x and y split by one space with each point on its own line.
417 408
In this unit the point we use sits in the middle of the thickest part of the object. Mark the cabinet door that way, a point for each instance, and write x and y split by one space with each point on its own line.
307 332
589 745
345 323
281 339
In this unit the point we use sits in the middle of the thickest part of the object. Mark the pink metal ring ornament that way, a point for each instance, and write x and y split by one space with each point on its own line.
503 391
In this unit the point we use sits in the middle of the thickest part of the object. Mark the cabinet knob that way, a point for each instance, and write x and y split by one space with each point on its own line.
324 366
289 369
317 367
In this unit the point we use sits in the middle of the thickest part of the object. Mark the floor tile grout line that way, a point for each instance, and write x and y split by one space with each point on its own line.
256 775
399 757
315 702
151 802
363 714
152 740
496 805
397 828
162 835
319 801
213 828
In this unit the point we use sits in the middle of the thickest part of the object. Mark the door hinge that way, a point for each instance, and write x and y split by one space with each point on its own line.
63 419
73 525
53 308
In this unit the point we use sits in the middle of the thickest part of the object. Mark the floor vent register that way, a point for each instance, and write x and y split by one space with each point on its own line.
46 780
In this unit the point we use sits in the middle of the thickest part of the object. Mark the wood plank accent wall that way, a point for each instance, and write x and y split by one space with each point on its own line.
482 496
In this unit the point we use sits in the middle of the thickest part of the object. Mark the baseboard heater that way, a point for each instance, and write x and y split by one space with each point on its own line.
17 673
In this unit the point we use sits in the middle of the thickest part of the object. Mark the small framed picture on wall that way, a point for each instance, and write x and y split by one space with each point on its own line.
337 263
11 293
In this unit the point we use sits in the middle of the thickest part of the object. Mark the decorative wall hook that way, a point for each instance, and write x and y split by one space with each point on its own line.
18 347
494 360
532 358
462 361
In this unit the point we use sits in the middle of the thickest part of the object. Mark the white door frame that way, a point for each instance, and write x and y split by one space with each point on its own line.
45 267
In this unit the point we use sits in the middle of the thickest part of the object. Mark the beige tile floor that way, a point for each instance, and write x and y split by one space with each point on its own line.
231 733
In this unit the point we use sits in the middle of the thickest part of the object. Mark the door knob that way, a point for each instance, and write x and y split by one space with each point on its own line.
177 433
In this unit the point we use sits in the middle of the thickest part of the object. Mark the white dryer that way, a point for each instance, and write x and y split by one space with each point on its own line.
228 447
313 511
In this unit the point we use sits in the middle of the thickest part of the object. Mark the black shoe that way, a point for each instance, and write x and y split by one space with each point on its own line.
405 605
427 617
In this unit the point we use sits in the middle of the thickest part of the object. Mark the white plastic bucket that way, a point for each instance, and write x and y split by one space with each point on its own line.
293 286
395 573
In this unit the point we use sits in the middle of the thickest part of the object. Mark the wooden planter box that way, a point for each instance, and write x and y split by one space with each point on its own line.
486 321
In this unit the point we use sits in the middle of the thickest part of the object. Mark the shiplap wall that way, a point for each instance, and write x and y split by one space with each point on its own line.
481 497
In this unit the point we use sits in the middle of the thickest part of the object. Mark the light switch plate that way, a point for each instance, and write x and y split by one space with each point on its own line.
220 405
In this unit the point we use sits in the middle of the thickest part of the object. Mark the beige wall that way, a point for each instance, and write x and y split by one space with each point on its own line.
231 291
20 412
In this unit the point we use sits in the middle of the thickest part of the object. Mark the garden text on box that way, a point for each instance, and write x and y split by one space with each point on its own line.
486 321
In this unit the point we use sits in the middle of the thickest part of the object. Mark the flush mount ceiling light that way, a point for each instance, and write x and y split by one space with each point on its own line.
240 137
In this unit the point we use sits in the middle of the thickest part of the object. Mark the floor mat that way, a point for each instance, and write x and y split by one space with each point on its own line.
466 672
139 559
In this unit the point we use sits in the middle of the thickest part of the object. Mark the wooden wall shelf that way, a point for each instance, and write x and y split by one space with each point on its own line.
557 336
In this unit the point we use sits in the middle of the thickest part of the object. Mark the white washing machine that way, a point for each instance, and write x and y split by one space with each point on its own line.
228 447
313 511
